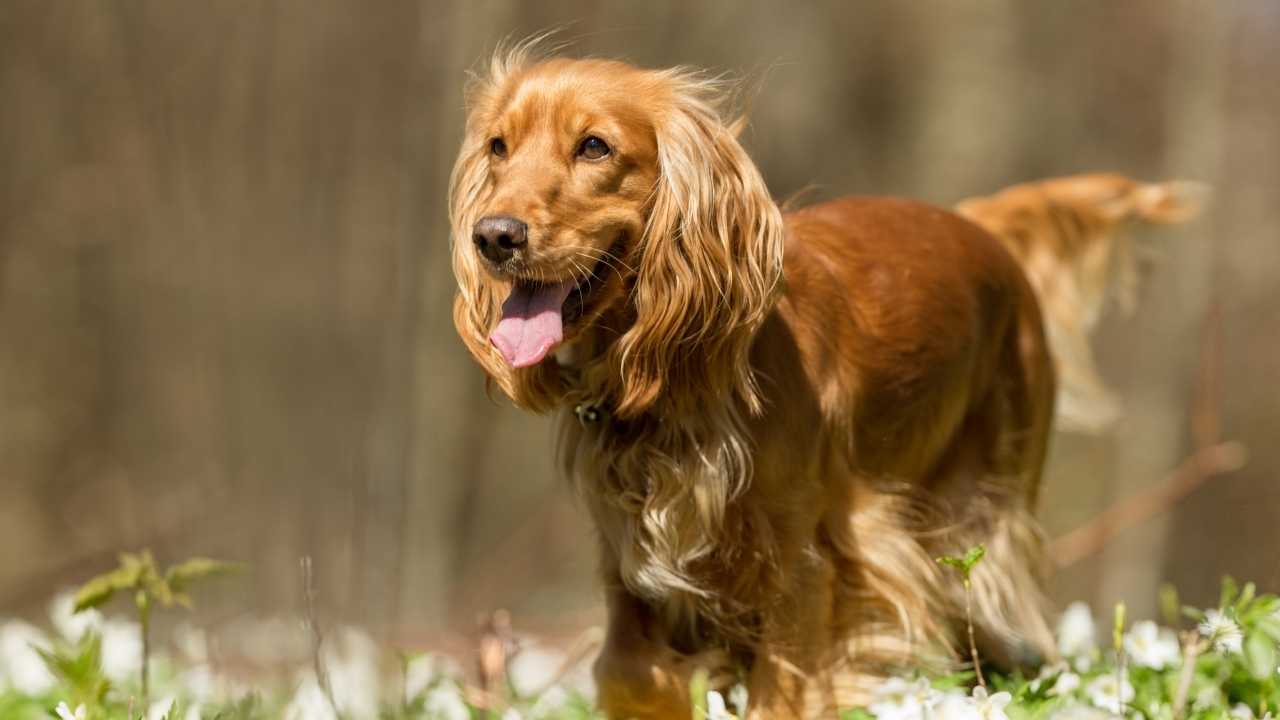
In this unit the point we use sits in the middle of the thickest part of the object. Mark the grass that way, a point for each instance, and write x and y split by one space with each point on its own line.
1205 664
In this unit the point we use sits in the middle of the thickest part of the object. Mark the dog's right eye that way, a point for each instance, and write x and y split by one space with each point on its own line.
497 147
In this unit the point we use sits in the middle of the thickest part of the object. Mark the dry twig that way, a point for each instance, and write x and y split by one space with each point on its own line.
1223 457
317 639
493 649
584 647
1212 456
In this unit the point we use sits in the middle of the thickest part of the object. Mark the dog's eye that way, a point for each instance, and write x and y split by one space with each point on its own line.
497 147
593 148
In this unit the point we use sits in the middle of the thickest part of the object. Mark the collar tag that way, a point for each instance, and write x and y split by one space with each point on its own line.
589 413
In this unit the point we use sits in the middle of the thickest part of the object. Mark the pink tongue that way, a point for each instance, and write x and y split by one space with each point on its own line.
531 324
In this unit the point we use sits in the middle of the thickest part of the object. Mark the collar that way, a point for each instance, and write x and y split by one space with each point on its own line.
590 413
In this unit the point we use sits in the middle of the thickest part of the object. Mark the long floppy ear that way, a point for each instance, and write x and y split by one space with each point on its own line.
477 306
709 268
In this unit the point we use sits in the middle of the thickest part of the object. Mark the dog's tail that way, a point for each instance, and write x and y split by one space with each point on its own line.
1070 235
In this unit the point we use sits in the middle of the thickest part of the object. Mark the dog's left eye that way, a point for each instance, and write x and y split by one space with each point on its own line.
592 148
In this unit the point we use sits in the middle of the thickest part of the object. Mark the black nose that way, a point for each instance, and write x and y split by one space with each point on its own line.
497 237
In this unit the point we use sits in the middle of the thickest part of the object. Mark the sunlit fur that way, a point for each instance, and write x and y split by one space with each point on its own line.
777 462
1073 235
701 275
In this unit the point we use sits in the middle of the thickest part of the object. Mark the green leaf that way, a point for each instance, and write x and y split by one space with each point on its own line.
176 710
961 679
1270 626
137 566
95 592
184 573
99 590
79 670
1246 597
698 693
964 563
1260 655
1229 591
1117 628
1169 604
159 589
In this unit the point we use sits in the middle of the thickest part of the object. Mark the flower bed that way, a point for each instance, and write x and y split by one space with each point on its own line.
1219 664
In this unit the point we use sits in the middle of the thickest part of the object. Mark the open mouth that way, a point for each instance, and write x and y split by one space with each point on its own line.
536 313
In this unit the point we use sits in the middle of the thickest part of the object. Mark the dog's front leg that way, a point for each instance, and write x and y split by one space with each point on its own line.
637 674
796 659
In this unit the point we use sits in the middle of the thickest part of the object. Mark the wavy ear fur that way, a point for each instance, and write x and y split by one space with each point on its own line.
709 268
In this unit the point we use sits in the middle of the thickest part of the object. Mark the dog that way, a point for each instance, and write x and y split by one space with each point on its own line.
777 422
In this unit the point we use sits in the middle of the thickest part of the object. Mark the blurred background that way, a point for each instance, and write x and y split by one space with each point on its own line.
224 287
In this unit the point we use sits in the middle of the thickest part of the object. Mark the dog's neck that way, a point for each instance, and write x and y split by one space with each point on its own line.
581 362
661 486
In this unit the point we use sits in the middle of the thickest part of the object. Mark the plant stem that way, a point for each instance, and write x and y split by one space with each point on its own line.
973 644
144 621
1117 643
1192 646
1120 658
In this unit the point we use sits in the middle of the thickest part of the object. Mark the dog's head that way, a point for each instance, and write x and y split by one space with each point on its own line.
604 206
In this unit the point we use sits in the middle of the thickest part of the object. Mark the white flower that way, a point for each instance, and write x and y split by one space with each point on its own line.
901 699
269 642
352 661
65 713
1209 697
309 703
419 672
716 709
991 707
1067 683
1080 711
1104 693
445 702
424 670
160 709
21 666
121 649
1241 711
72 625
1046 672
549 704
1151 646
1222 631
953 706
1076 631
738 699
192 642
200 683
534 668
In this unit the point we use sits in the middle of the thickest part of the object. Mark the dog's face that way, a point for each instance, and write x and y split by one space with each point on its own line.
572 161
588 189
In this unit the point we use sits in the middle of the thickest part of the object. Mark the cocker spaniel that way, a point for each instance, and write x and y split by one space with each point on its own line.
777 421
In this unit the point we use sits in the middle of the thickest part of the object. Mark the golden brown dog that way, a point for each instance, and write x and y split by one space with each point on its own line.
777 422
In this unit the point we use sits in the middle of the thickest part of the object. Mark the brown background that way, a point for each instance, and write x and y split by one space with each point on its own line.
224 291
